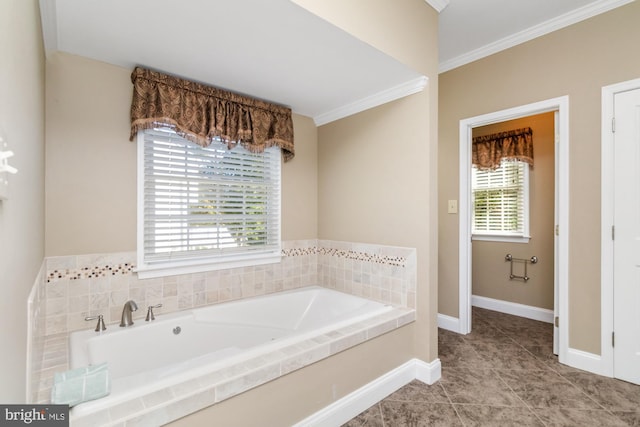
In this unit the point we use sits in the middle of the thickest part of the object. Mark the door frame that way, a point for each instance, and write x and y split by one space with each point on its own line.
561 257
607 217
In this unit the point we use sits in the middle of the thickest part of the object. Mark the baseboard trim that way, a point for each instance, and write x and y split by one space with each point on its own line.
528 311
449 323
428 373
586 361
341 411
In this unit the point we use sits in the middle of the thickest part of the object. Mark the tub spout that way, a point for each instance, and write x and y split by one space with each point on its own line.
129 307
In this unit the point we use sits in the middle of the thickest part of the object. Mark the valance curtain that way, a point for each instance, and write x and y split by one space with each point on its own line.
201 113
489 150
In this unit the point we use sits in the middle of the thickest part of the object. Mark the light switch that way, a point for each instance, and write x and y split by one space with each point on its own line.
452 206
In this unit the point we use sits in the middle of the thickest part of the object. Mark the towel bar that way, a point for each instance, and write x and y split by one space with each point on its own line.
511 259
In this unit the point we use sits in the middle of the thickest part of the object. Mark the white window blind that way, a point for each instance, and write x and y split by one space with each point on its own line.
205 205
500 200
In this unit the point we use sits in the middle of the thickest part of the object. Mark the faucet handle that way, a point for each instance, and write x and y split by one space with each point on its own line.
150 315
100 326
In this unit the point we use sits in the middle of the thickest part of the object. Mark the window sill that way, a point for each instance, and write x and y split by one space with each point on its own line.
495 238
154 271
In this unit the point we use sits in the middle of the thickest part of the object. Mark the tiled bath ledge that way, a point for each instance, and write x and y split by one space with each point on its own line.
165 405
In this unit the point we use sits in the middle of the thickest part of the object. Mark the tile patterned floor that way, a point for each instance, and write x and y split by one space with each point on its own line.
504 374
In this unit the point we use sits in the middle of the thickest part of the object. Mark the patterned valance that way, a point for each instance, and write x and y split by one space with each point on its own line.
200 113
489 150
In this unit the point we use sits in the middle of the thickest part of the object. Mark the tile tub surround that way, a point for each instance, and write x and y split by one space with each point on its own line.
36 331
382 273
168 404
87 285
72 287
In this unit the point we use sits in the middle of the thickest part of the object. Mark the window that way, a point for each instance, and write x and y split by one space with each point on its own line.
205 208
501 202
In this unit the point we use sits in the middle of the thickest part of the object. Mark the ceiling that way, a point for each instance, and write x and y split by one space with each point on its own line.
274 50
472 29
278 51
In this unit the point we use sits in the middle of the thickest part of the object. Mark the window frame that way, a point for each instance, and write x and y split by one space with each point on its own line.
198 264
493 236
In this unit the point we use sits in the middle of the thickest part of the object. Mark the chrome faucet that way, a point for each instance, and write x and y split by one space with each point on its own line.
150 315
100 326
129 307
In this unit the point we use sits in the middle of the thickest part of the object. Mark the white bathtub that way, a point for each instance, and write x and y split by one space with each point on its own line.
151 356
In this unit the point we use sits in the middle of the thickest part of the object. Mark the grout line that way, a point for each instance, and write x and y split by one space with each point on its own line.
577 387
529 407
583 392
557 371
510 388
548 366
381 413
451 403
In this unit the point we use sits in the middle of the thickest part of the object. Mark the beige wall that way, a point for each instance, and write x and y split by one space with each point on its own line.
22 216
576 61
300 184
91 164
377 169
490 272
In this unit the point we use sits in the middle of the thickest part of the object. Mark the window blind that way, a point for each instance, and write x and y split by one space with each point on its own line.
499 200
207 203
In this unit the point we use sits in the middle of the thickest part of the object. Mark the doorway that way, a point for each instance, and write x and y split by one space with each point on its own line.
621 230
560 108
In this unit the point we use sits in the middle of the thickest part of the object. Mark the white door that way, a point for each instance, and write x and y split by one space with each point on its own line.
626 244
556 240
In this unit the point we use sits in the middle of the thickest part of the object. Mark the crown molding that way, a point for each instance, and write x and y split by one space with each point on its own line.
438 5
400 91
49 19
562 21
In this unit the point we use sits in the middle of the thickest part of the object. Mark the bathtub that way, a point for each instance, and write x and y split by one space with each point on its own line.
189 345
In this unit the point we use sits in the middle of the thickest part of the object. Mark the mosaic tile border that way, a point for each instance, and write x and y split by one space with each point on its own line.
313 250
363 256
395 261
128 268
90 272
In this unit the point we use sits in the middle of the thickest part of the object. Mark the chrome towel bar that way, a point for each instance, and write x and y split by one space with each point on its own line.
511 259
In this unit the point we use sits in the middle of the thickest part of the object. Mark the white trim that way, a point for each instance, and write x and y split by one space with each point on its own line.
428 373
438 5
400 91
560 104
586 361
465 233
49 20
522 310
495 238
201 266
554 24
556 213
449 323
607 218
344 409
